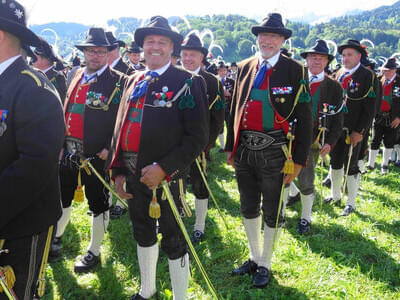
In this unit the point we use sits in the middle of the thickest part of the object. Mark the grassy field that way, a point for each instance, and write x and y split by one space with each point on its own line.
357 257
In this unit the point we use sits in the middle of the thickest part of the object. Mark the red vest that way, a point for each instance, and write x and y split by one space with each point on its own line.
75 111
387 97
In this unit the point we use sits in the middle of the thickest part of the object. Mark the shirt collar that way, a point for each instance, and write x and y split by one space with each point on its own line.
48 69
351 71
391 79
112 65
197 70
5 64
161 70
98 72
272 61
320 76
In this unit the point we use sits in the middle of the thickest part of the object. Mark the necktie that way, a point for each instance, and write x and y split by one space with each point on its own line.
313 78
343 76
89 78
260 75
387 81
141 86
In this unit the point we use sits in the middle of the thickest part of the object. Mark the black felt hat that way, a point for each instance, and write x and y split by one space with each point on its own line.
29 52
320 47
12 20
76 62
286 52
46 50
353 44
177 51
158 26
96 38
113 41
368 62
390 64
134 48
272 23
233 64
193 42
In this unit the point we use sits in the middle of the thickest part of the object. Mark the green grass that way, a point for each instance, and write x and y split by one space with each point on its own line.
357 257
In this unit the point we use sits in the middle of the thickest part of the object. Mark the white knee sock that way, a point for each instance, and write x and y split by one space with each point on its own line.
352 189
253 232
221 138
63 221
293 189
99 227
372 158
266 256
337 179
397 149
200 206
179 274
147 257
393 156
387 152
306 206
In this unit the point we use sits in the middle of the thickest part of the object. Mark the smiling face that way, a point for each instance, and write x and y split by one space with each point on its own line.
157 51
269 43
316 62
191 59
134 57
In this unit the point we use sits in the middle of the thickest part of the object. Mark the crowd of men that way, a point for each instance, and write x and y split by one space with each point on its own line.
147 126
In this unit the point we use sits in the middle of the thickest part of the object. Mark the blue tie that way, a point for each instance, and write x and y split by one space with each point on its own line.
141 86
89 78
342 76
260 75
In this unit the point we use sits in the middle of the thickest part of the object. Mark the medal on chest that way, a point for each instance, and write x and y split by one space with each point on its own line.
96 100
3 125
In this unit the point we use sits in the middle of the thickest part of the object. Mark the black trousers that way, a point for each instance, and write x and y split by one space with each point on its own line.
25 257
198 186
381 132
340 154
364 145
95 191
258 173
144 227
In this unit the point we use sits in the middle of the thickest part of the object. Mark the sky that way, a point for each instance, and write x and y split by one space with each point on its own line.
97 12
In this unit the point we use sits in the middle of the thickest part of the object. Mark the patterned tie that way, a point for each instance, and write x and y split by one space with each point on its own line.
260 75
89 78
141 86
313 78
343 76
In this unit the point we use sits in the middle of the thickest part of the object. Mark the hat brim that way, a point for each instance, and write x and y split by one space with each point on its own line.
287 33
305 53
358 48
83 46
130 50
203 50
141 33
25 35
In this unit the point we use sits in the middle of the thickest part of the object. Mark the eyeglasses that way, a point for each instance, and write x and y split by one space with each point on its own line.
91 52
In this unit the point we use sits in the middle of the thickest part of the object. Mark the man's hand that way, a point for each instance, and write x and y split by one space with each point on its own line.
119 186
103 154
355 138
229 159
290 177
226 93
152 175
326 148
395 123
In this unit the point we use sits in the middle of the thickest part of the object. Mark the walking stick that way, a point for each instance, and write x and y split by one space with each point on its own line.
3 280
211 194
323 128
347 169
178 219
108 187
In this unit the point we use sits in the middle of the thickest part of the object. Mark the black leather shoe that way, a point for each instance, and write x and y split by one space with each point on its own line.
197 237
370 169
293 199
116 212
348 209
57 240
303 226
87 263
248 267
138 297
54 253
327 182
261 277
221 150
397 163
330 200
